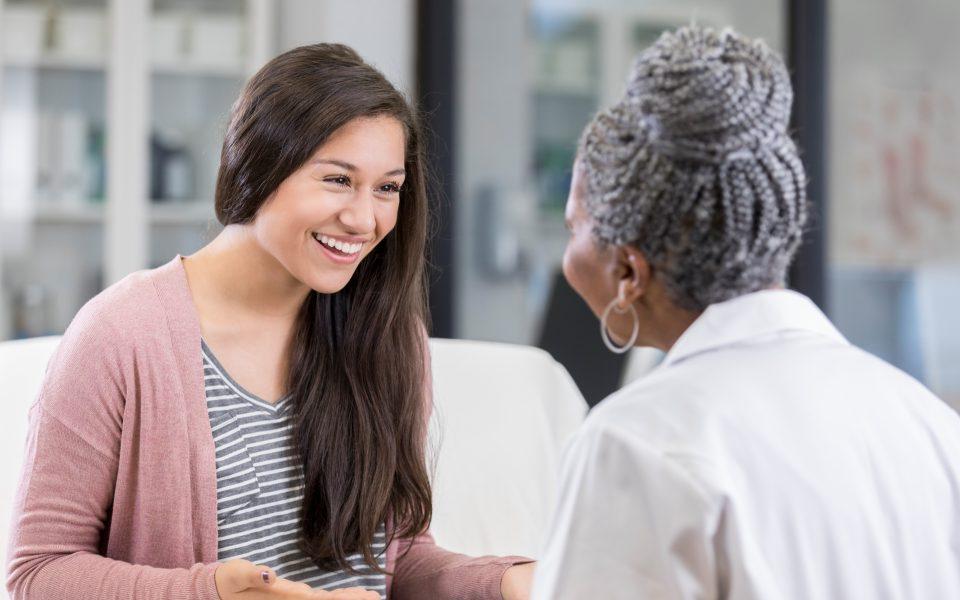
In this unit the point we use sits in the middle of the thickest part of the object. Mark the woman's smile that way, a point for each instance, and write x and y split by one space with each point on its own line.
343 246
337 251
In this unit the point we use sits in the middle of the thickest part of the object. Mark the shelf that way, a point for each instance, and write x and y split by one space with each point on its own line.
65 63
69 214
197 70
95 66
165 213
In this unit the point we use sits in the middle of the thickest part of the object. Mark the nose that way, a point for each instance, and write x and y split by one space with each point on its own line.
358 216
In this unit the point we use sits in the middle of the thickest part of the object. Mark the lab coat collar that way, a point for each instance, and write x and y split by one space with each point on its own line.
751 316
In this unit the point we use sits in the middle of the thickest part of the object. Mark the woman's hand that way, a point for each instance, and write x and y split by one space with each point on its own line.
517 581
242 580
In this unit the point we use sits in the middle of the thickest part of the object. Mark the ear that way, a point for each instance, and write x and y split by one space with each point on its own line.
633 272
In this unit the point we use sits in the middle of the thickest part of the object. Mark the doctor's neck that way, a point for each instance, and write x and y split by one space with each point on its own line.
662 321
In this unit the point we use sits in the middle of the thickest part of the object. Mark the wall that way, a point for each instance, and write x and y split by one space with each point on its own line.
382 31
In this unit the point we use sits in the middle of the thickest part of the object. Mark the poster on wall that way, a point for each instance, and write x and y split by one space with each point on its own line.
896 193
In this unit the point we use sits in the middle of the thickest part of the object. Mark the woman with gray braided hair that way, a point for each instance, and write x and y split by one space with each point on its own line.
766 457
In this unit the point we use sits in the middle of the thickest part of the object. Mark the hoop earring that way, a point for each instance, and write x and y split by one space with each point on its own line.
605 334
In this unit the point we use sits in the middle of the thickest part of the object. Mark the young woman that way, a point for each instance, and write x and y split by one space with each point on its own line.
766 457
249 421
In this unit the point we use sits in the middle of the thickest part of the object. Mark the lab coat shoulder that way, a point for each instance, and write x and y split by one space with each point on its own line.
672 410
655 436
610 438
623 497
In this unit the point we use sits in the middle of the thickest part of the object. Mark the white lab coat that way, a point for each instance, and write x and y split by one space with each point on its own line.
766 458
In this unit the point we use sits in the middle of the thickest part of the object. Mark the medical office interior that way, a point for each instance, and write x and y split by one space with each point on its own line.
112 114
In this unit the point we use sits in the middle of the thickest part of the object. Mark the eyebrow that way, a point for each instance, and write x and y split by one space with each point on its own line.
350 167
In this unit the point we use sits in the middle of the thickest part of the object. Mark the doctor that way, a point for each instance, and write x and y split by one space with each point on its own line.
766 457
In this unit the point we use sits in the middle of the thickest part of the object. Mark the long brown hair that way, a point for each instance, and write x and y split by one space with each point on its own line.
356 360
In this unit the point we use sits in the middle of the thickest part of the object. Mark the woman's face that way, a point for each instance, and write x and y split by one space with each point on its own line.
328 215
589 268
600 274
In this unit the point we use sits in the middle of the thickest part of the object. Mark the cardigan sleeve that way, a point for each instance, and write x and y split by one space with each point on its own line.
425 570
62 507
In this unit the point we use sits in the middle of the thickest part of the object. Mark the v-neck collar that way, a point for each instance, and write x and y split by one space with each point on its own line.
271 407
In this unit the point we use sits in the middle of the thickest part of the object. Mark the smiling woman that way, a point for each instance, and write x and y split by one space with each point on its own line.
342 202
249 421
343 136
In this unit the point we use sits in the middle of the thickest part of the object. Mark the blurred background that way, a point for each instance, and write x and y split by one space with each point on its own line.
112 114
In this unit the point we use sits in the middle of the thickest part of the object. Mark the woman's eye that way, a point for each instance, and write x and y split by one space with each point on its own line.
339 180
390 188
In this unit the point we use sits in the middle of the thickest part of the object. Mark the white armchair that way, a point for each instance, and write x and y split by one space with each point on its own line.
502 415
22 365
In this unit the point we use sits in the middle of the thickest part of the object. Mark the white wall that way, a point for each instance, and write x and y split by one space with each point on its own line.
382 31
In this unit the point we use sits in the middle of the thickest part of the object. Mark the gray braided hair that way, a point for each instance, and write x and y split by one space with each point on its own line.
694 166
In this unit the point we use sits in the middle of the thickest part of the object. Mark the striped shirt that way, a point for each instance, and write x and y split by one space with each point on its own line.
260 487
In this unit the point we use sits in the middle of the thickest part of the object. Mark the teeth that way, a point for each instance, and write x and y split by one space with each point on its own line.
341 246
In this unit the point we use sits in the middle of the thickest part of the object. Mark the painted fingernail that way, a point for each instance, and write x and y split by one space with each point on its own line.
265 575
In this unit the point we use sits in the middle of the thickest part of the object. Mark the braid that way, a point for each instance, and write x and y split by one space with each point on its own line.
694 166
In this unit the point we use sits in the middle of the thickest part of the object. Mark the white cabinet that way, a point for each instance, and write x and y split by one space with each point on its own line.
111 118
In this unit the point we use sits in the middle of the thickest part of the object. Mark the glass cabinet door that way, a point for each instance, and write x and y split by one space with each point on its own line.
52 161
68 225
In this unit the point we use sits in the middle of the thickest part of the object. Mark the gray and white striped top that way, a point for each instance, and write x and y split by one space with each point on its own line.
260 486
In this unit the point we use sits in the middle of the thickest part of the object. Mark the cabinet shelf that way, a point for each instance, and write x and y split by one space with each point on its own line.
186 212
94 66
219 71
64 63
68 214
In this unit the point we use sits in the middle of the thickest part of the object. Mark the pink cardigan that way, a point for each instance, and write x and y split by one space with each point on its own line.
118 494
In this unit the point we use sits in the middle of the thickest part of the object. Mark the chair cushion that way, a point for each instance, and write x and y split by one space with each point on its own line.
501 418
